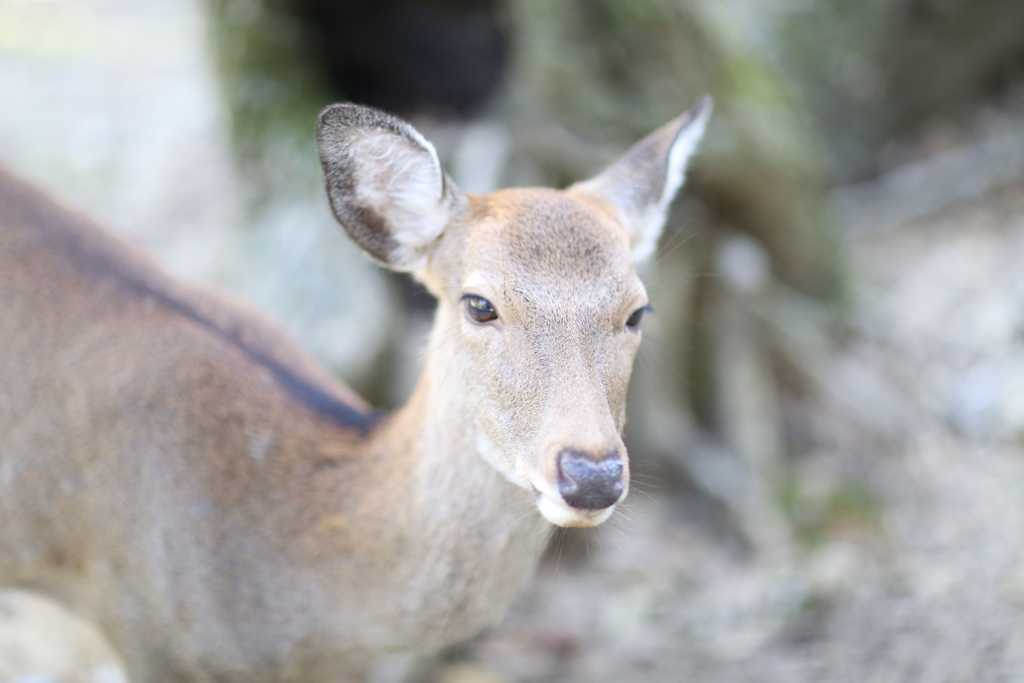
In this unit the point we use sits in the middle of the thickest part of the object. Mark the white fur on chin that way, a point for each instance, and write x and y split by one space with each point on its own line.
560 514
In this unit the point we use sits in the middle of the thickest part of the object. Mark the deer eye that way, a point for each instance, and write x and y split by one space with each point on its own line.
479 309
633 321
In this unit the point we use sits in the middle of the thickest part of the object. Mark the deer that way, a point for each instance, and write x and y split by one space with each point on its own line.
177 471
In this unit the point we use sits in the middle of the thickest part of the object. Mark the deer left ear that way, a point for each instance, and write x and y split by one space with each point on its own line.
385 184
643 182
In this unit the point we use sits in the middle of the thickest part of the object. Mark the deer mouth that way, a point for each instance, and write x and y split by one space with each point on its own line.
559 513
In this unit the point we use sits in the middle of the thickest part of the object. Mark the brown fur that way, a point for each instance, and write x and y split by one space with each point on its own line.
175 469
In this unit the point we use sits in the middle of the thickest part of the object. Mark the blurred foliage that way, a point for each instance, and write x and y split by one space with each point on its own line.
615 70
274 95
623 68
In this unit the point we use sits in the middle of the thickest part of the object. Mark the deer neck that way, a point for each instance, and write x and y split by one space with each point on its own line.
451 483
453 537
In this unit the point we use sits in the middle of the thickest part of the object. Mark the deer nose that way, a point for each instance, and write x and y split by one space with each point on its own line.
587 483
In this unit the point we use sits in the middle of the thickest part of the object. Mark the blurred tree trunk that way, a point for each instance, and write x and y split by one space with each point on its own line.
875 70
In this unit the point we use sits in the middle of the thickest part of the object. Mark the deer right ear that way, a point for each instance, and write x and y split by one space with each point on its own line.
641 185
385 184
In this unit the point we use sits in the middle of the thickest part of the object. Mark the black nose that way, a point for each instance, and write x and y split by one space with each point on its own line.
587 483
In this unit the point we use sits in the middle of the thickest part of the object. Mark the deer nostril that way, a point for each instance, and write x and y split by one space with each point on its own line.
589 484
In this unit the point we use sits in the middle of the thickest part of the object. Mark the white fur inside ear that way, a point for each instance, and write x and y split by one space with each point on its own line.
404 184
679 156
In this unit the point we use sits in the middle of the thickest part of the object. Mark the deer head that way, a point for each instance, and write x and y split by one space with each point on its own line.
539 300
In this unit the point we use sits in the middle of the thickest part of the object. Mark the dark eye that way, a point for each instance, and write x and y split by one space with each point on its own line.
633 321
480 309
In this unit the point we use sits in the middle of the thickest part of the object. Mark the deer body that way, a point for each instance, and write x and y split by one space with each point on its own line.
175 469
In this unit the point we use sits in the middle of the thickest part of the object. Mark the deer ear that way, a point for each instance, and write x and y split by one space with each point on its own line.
385 184
642 183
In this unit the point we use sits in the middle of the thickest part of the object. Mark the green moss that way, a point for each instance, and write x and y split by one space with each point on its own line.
846 507
274 92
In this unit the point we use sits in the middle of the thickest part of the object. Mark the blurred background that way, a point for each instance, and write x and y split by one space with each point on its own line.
827 417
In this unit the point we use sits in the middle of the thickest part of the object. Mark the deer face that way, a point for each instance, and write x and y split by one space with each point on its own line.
539 299
541 319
